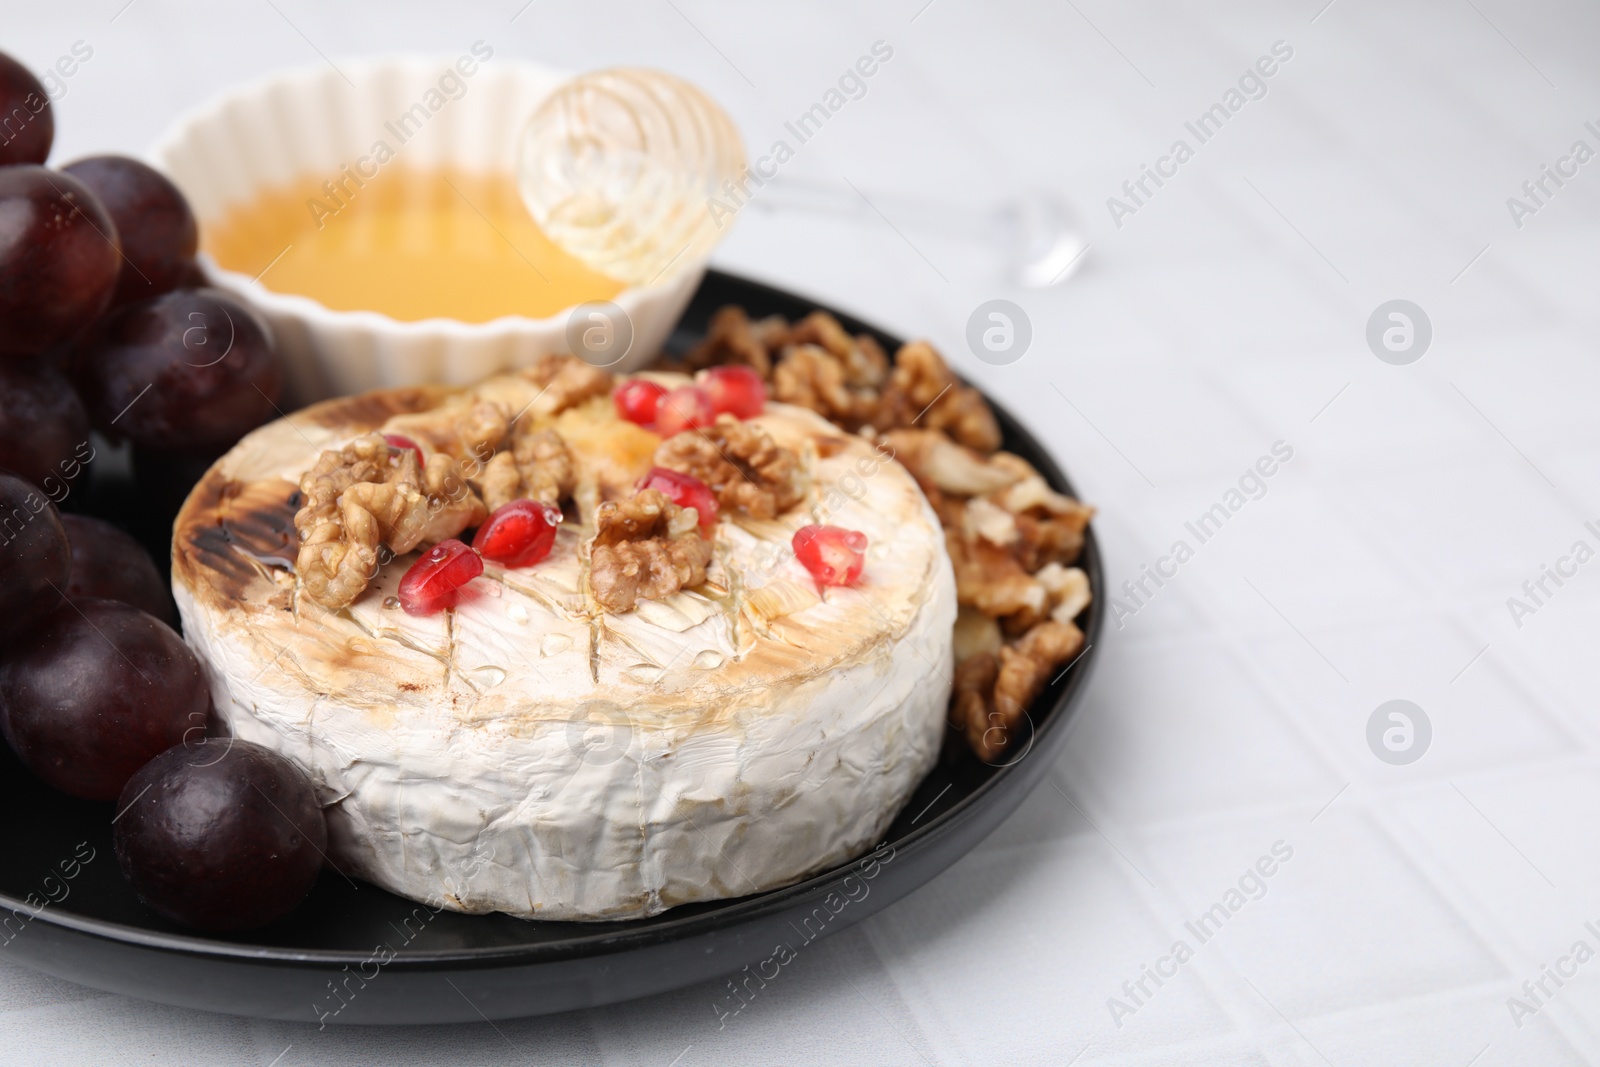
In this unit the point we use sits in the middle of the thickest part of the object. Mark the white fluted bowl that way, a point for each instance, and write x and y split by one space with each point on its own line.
274 131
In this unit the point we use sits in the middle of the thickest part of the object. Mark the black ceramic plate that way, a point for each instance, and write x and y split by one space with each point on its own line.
330 960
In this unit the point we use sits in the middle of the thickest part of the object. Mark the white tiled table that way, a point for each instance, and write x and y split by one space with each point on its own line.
1229 713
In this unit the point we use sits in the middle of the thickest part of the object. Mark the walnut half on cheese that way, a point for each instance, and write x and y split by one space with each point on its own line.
534 750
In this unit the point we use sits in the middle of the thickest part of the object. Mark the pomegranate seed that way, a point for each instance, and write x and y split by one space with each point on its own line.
688 407
636 400
434 582
832 554
400 443
737 390
684 490
518 534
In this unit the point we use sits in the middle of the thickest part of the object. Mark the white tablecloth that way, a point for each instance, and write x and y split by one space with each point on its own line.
1225 314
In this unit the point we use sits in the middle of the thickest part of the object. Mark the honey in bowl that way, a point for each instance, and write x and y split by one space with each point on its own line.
410 243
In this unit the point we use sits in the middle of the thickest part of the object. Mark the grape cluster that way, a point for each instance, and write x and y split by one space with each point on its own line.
105 319
105 324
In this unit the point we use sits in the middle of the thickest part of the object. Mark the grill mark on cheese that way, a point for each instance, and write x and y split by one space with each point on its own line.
234 530
269 455
828 445
365 412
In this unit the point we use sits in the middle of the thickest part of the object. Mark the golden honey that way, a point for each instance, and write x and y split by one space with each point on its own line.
411 243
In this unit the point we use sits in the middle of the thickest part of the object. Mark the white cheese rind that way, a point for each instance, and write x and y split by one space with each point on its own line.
618 821
502 776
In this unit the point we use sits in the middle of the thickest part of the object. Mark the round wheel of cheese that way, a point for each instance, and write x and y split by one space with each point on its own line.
530 752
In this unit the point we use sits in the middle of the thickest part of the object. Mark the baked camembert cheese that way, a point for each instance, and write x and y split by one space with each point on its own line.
660 711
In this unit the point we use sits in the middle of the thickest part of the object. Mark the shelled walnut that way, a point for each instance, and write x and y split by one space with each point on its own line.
732 339
825 369
993 689
645 547
989 578
809 377
565 382
481 430
939 464
368 494
741 463
1002 521
866 365
1066 595
537 466
924 392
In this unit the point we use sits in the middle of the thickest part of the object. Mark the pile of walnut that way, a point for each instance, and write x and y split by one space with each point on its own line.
370 498
486 448
1010 536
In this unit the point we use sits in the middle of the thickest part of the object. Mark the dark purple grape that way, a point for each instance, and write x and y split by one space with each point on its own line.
27 121
188 371
108 563
154 224
225 835
58 259
193 278
35 562
94 691
44 429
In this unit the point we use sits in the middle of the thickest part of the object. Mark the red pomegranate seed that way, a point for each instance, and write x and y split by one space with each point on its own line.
518 534
737 390
400 442
832 554
636 400
434 582
688 407
684 490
